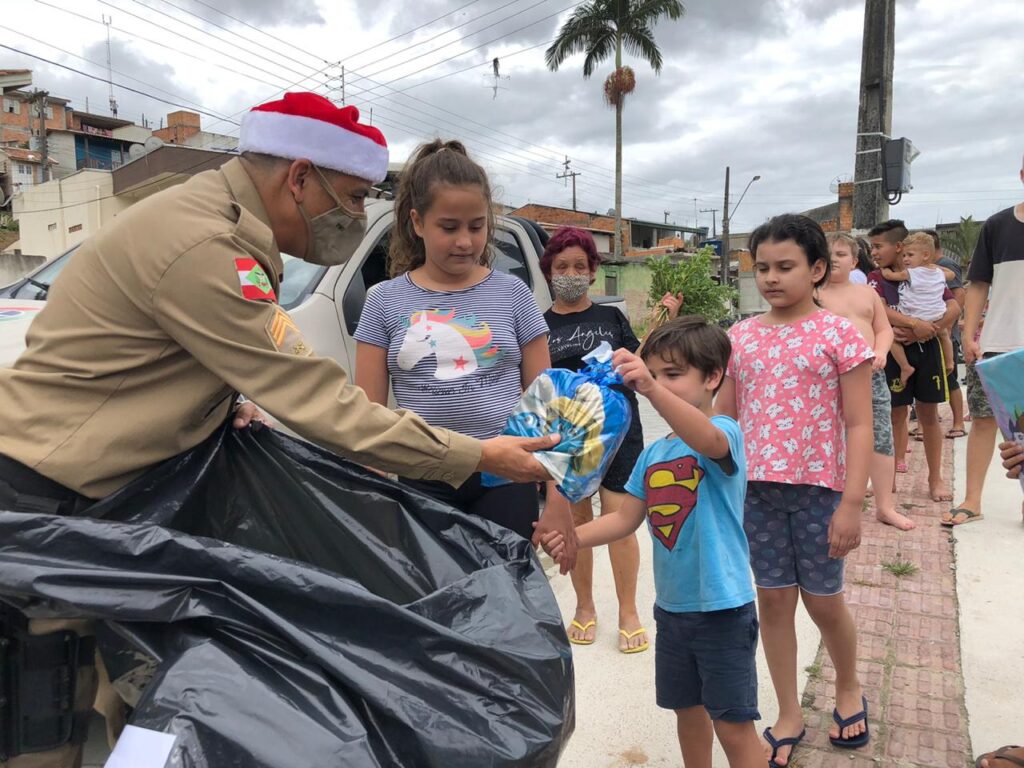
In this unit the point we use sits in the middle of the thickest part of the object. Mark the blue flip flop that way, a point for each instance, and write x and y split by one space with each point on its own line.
856 741
777 744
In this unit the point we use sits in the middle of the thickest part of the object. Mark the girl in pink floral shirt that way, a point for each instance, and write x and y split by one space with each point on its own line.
799 386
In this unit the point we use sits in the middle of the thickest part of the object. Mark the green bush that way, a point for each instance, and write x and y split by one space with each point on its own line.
691 276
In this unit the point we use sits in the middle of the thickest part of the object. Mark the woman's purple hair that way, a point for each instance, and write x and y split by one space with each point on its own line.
567 237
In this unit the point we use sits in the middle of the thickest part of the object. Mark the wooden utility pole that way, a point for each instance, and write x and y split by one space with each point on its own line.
874 117
567 174
723 272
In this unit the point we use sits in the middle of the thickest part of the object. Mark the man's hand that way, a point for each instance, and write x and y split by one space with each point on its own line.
972 351
633 371
247 413
923 330
556 520
1013 458
844 530
511 457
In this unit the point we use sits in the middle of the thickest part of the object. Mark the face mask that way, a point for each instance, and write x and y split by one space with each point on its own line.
570 288
333 236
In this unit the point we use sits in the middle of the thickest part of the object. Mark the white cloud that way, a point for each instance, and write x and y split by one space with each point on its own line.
768 88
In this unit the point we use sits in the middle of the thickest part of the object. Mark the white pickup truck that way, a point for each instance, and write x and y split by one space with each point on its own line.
325 302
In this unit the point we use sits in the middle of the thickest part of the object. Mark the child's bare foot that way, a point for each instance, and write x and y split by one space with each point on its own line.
939 490
583 627
895 519
906 373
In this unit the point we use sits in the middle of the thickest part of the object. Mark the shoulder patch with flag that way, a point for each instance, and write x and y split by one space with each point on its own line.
254 281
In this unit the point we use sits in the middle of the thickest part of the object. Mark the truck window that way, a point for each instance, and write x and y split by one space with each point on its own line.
508 257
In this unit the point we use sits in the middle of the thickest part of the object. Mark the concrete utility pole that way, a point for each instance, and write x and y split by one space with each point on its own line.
874 118
723 271
39 97
712 211
567 174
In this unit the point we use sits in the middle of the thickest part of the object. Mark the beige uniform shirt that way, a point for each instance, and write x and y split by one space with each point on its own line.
154 325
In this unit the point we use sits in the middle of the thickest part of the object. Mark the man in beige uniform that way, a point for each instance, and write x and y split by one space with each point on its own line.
170 311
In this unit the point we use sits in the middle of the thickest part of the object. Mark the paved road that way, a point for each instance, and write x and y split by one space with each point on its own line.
990 587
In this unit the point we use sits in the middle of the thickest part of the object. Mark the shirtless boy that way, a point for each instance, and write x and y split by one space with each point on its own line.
863 307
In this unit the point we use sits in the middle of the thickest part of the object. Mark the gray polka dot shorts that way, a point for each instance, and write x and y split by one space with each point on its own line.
787 528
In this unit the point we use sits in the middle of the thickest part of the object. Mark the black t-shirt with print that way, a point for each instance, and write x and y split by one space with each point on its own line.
573 335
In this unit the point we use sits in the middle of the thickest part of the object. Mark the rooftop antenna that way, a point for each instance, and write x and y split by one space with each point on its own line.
110 73
497 77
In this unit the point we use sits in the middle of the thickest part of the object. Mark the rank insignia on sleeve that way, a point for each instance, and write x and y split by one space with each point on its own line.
254 281
285 334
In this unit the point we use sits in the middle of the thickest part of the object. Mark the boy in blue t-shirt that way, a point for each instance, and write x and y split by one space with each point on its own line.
689 487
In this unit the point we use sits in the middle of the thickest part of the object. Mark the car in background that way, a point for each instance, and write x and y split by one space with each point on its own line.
36 284
325 302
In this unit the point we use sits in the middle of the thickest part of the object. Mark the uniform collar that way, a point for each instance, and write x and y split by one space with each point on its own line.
253 220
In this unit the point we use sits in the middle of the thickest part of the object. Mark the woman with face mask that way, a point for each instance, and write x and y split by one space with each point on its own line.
577 325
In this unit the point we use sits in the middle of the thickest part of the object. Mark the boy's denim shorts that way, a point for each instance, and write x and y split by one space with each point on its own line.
708 659
787 529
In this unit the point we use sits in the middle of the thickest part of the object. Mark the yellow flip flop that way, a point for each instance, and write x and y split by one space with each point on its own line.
583 628
629 636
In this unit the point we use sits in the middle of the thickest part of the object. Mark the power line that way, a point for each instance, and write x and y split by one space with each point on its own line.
232 32
408 32
190 54
104 80
208 34
474 48
447 31
97 64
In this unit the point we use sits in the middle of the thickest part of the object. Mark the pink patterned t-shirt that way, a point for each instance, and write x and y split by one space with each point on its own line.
788 397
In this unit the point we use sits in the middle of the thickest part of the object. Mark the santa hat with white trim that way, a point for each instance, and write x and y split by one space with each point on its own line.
307 125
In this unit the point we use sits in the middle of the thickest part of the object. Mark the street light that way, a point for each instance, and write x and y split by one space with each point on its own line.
726 221
756 178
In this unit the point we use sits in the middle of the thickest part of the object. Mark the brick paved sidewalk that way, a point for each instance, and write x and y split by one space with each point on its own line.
901 588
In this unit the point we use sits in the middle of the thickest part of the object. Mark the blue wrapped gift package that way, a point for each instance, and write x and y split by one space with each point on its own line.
591 417
1002 377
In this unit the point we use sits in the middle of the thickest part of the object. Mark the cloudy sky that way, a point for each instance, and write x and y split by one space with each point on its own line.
768 87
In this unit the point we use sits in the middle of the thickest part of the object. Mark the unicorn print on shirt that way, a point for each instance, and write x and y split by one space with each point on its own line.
459 344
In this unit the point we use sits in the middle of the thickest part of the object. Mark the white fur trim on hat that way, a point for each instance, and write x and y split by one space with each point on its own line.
323 144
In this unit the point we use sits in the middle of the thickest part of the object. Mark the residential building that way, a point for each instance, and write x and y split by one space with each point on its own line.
20 168
637 235
54 216
184 129
837 216
93 141
20 120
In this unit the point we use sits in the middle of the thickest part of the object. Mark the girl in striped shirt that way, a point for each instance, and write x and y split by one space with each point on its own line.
456 340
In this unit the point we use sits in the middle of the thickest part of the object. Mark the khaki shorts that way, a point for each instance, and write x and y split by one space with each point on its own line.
977 400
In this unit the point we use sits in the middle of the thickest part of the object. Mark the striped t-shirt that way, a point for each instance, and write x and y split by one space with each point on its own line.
454 356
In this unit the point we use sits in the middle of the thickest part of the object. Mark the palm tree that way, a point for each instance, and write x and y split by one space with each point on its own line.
959 243
599 29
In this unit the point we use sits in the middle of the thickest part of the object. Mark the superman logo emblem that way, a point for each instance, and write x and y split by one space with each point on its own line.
671 496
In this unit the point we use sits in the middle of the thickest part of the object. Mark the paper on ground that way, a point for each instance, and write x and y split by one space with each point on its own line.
141 748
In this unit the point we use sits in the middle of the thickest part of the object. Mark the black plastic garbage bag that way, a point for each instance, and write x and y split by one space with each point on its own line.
304 612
